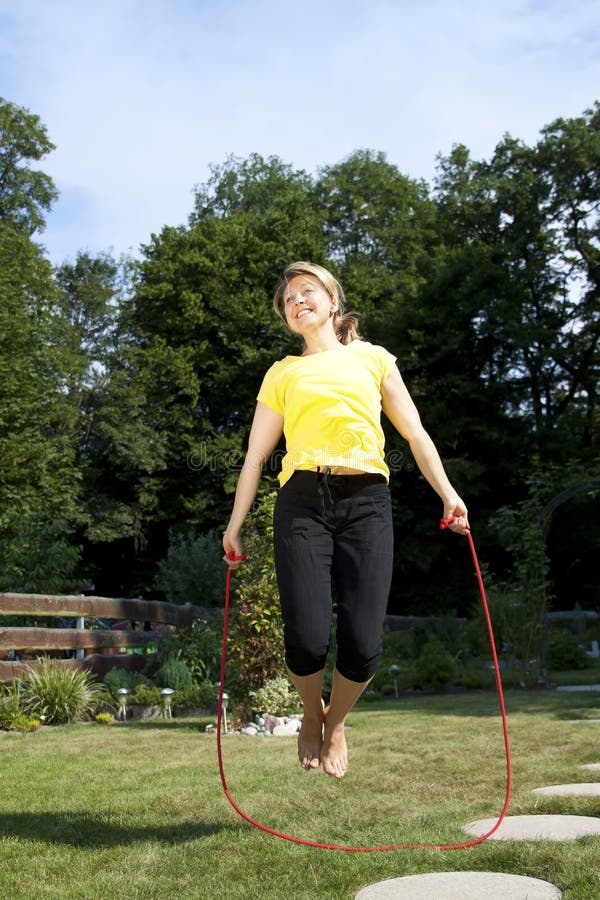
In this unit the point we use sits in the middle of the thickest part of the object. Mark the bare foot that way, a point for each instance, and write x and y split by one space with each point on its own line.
310 740
334 754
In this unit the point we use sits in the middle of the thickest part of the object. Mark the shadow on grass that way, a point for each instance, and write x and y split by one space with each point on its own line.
195 725
89 830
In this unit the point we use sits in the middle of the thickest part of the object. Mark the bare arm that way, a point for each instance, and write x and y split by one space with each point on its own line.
400 409
267 428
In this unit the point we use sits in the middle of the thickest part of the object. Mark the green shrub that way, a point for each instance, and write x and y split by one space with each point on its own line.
565 652
475 639
199 647
397 645
56 694
120 678
447 629
174 673
386 681
475 676
145 695
10 706
435 667
195 696
277 697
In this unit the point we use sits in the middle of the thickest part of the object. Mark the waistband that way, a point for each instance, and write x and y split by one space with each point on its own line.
307 476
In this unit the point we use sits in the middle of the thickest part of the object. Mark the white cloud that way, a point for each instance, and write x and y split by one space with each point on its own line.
140 97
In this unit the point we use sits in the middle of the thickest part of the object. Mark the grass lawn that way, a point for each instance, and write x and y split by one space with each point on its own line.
136 810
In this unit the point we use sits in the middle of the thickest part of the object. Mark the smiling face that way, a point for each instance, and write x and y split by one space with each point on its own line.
307 304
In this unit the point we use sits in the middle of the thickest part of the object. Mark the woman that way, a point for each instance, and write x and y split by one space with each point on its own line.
333 517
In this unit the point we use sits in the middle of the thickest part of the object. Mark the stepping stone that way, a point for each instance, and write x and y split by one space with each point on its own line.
572 688
461 886
537 828
595 767
570 790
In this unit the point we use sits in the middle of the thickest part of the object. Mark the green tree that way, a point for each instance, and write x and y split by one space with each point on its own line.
379 225
25 193
516 376
203 332
193 570
39 480
524 227
521 601
118 451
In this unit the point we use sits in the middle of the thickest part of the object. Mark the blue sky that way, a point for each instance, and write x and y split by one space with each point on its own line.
141 96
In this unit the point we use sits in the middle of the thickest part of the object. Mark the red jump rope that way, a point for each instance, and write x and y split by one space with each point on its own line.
287 837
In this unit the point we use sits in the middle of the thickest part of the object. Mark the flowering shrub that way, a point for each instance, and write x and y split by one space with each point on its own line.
276 696
25 723
103 718
256 630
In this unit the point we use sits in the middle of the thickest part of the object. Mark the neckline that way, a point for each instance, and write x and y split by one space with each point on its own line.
340 348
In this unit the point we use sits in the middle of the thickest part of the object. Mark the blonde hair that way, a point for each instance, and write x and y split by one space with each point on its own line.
345 324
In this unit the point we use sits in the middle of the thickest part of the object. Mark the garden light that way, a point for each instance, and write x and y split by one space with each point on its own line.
393 670
167 696
224 699
122 698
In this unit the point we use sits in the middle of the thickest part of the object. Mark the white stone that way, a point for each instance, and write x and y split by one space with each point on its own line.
593 766
570 790
291 727
271 722
536 828
461 886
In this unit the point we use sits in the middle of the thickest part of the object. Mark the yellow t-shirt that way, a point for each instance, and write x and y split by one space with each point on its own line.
331 406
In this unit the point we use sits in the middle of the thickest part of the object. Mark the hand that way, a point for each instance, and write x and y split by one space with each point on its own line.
456 515
233 548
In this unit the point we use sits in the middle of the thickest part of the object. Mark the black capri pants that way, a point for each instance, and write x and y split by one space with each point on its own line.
333 531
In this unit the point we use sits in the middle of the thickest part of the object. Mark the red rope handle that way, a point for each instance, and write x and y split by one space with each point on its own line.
287 837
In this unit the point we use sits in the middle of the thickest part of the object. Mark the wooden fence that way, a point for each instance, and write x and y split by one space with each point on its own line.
98 648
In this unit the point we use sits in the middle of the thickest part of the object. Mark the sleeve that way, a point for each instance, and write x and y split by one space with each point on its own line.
271 389
385 361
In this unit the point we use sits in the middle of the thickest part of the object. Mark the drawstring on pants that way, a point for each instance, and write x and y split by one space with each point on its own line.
323 487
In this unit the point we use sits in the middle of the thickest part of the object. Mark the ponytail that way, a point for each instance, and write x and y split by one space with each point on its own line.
346 327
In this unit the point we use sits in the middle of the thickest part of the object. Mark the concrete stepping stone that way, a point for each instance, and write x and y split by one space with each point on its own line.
461 886
570 790
594 767
537 828
573 688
